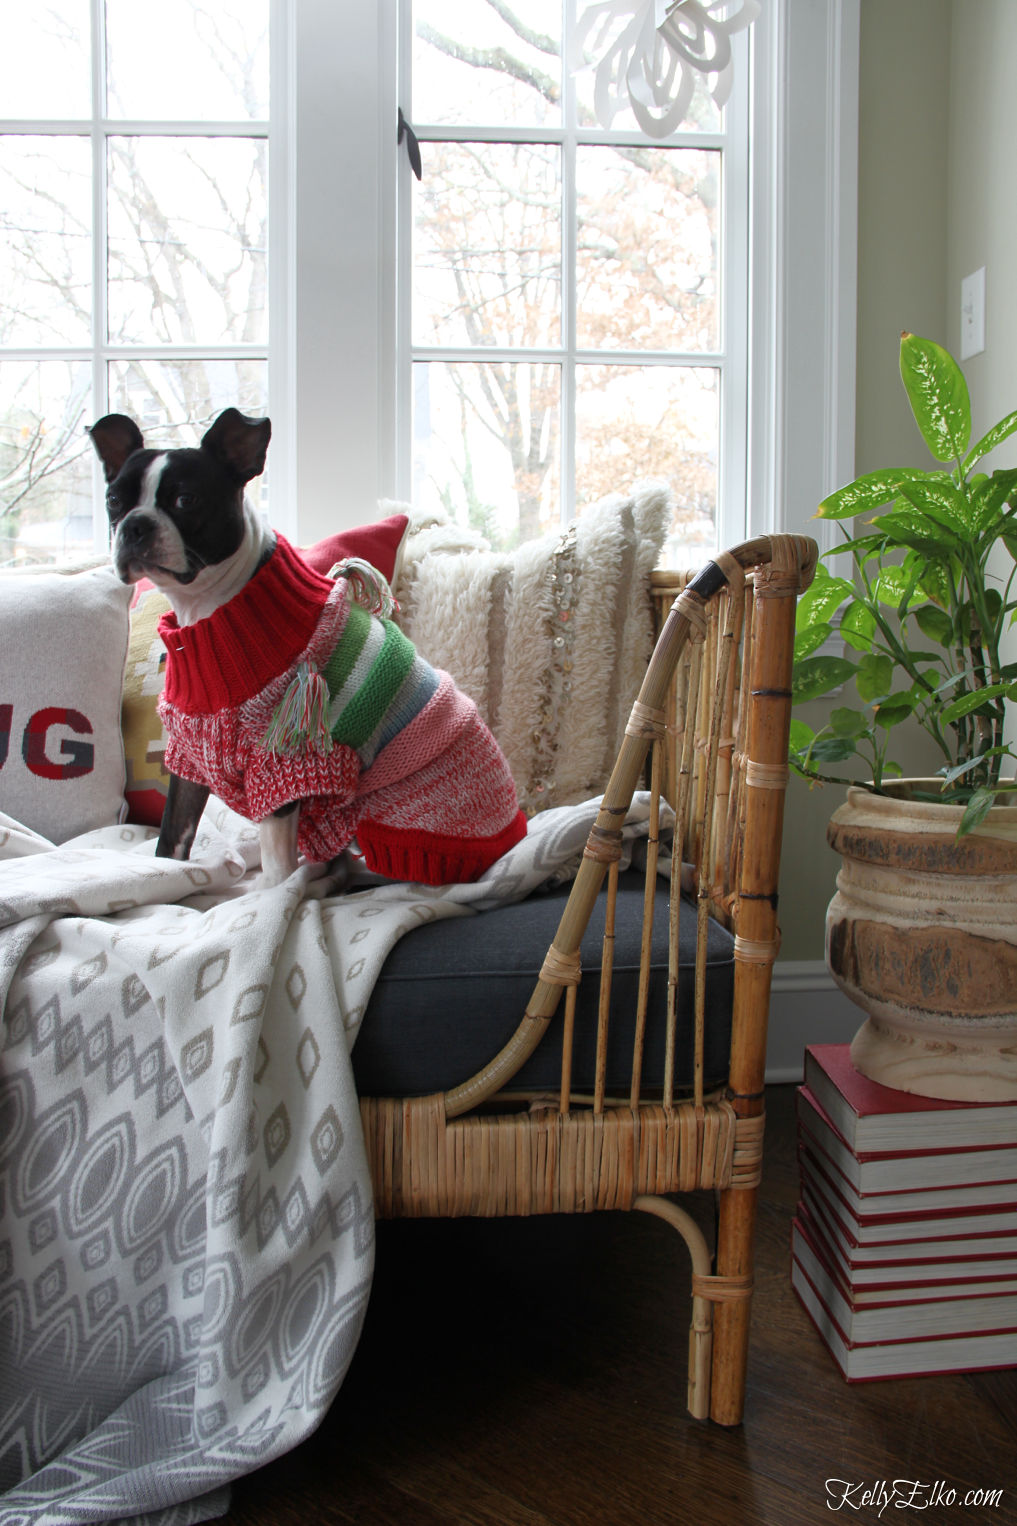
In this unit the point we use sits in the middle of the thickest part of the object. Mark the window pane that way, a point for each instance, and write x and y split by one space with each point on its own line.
648 248
45 461
184 60
174 401
486 446
45 241
487 245
703 115
44 60
663 422
491 65
187 240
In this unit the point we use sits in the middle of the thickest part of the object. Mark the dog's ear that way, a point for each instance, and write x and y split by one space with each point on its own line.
239 443
115 437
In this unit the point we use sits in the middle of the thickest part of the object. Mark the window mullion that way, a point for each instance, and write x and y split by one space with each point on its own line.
403 325
100 223
567 405
732 460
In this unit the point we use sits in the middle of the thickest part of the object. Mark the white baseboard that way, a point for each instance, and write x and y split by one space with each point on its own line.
806 1007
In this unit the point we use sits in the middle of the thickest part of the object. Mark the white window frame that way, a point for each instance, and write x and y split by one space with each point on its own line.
343 321
803 262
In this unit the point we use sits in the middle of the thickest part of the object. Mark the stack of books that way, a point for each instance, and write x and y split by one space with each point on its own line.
904 1244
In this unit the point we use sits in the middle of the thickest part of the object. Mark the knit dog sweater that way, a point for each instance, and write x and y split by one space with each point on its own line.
405 763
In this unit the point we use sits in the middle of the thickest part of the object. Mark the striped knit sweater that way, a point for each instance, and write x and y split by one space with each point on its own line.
408 767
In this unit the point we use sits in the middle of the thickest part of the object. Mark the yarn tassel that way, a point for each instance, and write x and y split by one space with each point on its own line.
300 722
367 586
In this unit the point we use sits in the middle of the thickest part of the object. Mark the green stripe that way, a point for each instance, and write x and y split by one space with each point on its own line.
351 642
366 710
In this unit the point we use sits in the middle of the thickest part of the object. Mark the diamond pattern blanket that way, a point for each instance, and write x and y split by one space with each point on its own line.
186 1227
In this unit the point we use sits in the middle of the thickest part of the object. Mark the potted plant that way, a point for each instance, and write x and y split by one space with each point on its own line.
923 930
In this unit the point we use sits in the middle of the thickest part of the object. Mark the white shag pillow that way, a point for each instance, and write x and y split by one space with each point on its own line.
63 645
550 640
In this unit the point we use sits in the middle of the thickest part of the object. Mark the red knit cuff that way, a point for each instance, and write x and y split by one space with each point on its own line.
271 781
431 858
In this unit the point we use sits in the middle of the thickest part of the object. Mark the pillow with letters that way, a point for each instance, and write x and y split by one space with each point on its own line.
144 736
62 656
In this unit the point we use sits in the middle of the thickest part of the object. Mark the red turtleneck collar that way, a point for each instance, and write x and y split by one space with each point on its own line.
229 657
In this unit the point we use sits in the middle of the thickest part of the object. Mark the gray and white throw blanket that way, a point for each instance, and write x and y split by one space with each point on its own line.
186 1227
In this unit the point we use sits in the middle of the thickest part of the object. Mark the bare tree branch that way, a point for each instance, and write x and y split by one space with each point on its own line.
539 40
495 59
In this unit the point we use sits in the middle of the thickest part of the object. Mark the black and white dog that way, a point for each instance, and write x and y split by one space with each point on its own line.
181 518
284 693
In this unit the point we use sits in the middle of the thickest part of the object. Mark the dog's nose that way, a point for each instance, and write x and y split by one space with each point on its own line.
136 531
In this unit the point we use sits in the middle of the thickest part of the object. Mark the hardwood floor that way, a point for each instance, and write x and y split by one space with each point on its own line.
532 1373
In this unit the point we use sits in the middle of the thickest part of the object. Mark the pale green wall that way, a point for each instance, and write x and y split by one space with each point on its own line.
937 198
904 90
982 227
982 187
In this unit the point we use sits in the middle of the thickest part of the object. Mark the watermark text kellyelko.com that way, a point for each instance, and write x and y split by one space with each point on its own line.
907 1494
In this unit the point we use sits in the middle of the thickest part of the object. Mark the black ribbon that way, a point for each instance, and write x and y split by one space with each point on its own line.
412 146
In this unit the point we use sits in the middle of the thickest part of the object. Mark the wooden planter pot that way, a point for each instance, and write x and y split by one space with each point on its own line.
922 934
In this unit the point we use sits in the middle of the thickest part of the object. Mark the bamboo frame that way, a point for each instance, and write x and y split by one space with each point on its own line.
712 719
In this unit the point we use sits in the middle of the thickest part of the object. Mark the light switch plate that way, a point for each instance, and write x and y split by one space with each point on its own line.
972 340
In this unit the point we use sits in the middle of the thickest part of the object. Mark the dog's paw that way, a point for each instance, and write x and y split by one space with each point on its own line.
270 878
328 879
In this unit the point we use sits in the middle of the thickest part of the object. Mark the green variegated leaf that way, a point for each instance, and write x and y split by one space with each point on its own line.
938 395
861 548
865 495
910 527
996 435
950 775
988 497
914 565
874 677
936 583
810 640
934 623
818 675
978 808
858 626
822 600
941 502
966 704
891 586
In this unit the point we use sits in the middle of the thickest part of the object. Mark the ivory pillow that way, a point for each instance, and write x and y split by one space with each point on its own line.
63 643
550 640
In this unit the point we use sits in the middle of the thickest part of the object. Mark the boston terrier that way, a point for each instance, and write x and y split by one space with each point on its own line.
289 693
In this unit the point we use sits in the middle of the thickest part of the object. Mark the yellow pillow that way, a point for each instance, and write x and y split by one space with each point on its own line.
144 734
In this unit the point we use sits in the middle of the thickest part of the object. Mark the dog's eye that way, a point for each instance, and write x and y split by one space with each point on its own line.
186 501
112 503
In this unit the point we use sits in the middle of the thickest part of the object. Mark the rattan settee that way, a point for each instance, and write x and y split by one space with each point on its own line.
546 1124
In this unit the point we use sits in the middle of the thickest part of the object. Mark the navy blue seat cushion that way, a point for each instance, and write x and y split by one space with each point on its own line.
452 993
